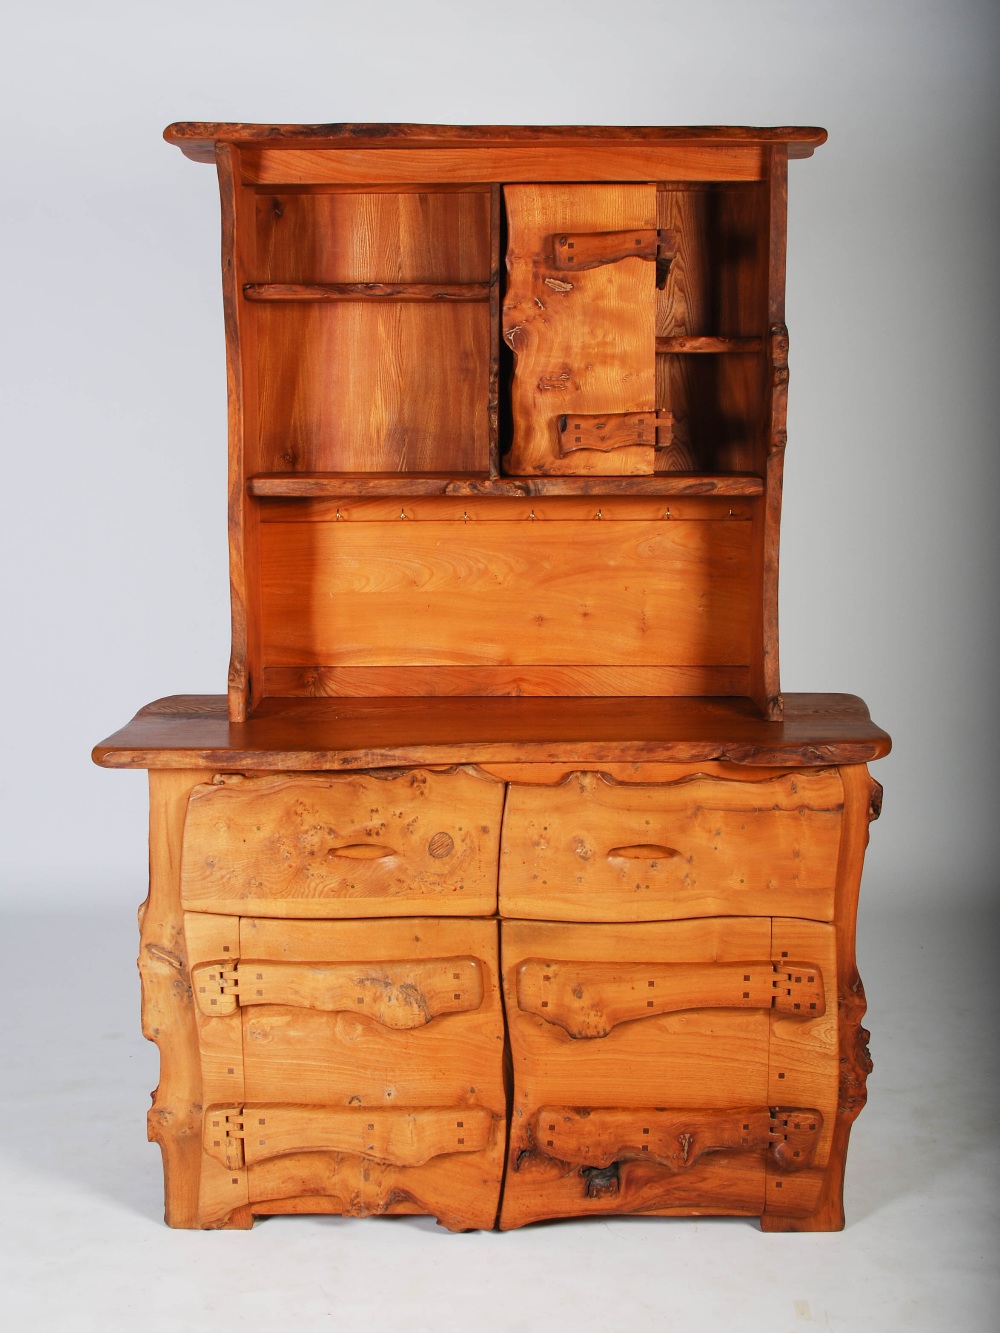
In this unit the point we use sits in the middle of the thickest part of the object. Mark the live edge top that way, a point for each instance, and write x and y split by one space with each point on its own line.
197 139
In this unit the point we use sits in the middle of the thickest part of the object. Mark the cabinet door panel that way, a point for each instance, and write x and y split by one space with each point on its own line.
726 1105
698 1065
583 341
363 1087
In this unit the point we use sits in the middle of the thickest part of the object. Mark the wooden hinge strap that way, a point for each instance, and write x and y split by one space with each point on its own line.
598 1137
402 1136
613 430
397 994
588 1000
576 251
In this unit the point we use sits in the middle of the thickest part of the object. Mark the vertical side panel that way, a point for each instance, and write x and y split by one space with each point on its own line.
238 254
583 342
493 406
803 1062
224 1190
862 805
167 1012
765 685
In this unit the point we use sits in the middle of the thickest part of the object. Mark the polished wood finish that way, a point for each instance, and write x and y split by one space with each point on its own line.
319 485
366 291
505 884
608 850
582 341
342 844
196 138
507 593
193 731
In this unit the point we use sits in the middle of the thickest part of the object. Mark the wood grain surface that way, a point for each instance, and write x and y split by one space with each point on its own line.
342 1061
343 845
193 731
582 342
705 1060
505 594
594 850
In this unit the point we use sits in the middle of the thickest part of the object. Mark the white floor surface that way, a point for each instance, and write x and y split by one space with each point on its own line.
83 1247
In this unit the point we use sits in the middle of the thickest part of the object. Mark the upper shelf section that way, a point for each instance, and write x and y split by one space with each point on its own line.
197 139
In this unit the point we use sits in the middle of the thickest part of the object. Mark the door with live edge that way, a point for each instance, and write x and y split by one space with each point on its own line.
579 316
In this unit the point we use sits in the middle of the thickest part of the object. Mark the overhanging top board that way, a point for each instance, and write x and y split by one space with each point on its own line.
197 139
193 731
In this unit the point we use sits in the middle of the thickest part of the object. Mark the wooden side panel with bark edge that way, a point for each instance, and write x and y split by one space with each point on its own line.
343 845
169 1019
863 804
583 342
433 1135
238 262
591 849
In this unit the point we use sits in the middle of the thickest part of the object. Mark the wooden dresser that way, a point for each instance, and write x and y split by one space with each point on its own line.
505 885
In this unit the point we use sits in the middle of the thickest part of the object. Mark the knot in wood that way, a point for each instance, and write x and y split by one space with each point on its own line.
441 845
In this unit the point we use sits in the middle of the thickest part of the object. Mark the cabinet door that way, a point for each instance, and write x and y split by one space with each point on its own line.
350 1067
686 1067
579 316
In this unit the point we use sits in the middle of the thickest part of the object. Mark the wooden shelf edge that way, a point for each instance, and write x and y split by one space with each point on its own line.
440 293
332 485
193 731
197 139
691 343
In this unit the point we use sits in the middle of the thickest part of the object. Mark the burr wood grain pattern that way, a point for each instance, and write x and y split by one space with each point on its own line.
505 884
308 846
582 338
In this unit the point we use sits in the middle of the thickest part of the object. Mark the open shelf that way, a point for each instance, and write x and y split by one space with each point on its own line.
367 291
687 343
334 485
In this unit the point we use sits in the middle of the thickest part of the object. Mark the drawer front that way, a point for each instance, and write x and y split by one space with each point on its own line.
359 844
666 1068
351 1067
592 849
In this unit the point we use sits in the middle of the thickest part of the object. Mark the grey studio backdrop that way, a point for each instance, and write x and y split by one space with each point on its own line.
114 560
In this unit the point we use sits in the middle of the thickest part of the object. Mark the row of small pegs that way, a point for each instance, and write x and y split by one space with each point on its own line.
531 517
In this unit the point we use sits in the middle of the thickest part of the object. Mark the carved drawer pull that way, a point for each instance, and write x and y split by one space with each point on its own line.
362 851
244 1135
589 999
597 1139
395 994
645 851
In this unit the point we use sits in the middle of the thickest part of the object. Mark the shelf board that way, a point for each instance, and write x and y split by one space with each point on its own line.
338 485
445 293
193 731
687 343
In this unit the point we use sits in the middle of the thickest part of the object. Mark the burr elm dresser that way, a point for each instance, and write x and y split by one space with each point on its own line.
505 884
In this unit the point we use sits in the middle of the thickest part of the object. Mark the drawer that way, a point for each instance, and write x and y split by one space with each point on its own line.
351 1067
342 845
669 1067
592 849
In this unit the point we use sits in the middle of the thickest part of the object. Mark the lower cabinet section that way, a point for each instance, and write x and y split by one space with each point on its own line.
490 1069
